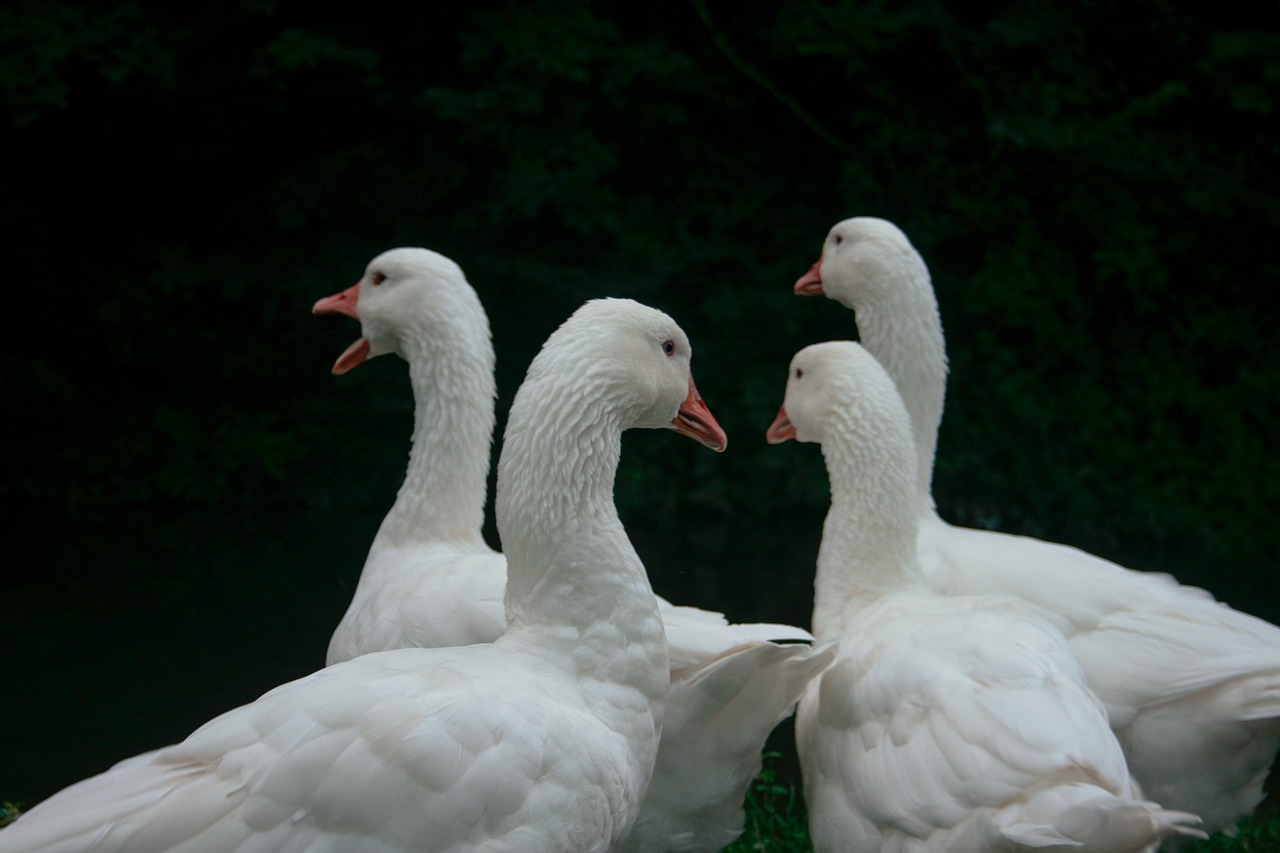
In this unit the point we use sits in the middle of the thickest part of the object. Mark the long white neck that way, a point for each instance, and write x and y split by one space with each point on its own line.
574 581
443 495
899 323
869 537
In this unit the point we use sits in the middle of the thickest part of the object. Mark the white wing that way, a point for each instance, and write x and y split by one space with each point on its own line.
1191 686
441 750
424 598
947 722
718 717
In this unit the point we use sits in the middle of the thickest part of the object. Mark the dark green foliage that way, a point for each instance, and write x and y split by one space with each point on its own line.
1096 223
1093 186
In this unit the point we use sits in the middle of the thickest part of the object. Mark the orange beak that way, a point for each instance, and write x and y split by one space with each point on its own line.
810 284
345 303
340 303
696 421
781 429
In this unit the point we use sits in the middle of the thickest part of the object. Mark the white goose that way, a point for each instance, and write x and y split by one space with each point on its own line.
946 722
543 740
1192 686
430 580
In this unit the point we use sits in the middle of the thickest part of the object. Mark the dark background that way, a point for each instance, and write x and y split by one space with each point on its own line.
190 494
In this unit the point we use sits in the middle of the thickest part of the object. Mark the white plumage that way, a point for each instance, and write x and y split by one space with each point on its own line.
1192 686
430 579
543 740
946 722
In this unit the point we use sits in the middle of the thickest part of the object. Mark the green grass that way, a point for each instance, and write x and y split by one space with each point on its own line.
1258 833
775 817
777 823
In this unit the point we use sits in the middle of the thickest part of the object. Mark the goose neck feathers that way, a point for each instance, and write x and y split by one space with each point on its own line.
838 395
418 304
571 571
443 494
869 266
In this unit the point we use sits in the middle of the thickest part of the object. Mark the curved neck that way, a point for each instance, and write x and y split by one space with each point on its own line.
868 545
443 495
899 323
573 577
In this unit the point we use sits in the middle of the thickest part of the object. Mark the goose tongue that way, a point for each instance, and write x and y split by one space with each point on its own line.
810 284
781 429
345 303
696 421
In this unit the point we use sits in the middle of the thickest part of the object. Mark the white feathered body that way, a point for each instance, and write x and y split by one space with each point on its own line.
719 715
408 750
430 580
946 722
1191 685
951 724
426 595
423 596
724 700
544 740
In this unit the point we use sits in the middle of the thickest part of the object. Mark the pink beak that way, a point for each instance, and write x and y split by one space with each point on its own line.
354 356
810 284
781 429
340 303
345 303
696 421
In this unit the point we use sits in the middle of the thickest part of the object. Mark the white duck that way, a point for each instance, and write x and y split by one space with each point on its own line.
430 579
946 722
1192 686
543 740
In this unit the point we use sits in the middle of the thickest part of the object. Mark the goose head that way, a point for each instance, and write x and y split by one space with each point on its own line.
855 258
813 380
398 286
840 397
838 385
636 360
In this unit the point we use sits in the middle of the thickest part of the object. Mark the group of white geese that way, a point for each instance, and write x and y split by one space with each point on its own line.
962 690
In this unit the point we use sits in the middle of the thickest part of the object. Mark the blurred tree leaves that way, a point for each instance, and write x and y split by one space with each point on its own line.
47 49
1094 189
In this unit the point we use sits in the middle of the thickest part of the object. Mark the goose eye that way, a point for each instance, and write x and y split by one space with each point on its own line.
799 373
839 239
378 278
669 346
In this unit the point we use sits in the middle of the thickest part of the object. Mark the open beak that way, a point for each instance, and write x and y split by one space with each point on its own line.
696 421
781 429
340 303
810 284
355 355
345 303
